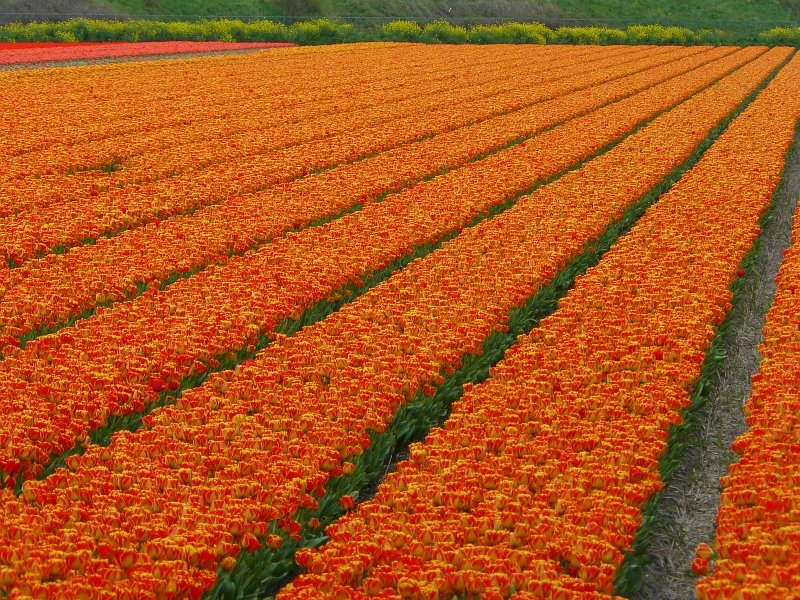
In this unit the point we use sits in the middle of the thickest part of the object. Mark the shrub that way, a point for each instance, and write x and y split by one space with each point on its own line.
31 32
265 31
97 30
609 36
508 33
590 35
66 36
781 36
324 31
485 34
529 33
401 31
442 32
217 31
716 37
660 34
320 31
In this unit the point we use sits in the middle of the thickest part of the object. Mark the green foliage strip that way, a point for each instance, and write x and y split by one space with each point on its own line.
324 31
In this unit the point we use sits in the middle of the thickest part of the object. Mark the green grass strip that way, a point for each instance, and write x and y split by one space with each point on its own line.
774 29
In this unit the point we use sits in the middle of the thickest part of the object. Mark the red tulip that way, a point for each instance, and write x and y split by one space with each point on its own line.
250 542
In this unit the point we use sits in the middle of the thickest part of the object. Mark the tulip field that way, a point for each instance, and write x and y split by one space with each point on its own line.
22 53
233 289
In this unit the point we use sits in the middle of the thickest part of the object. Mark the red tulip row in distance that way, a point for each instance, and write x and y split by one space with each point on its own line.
89 51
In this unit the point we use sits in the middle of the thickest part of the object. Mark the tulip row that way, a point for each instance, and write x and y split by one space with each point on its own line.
360 86
38 232
245 111
108 96
21 45
536 482
203 479
292 274
264 130
92 154
129 99
89 51
349 93
44 294
756 541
